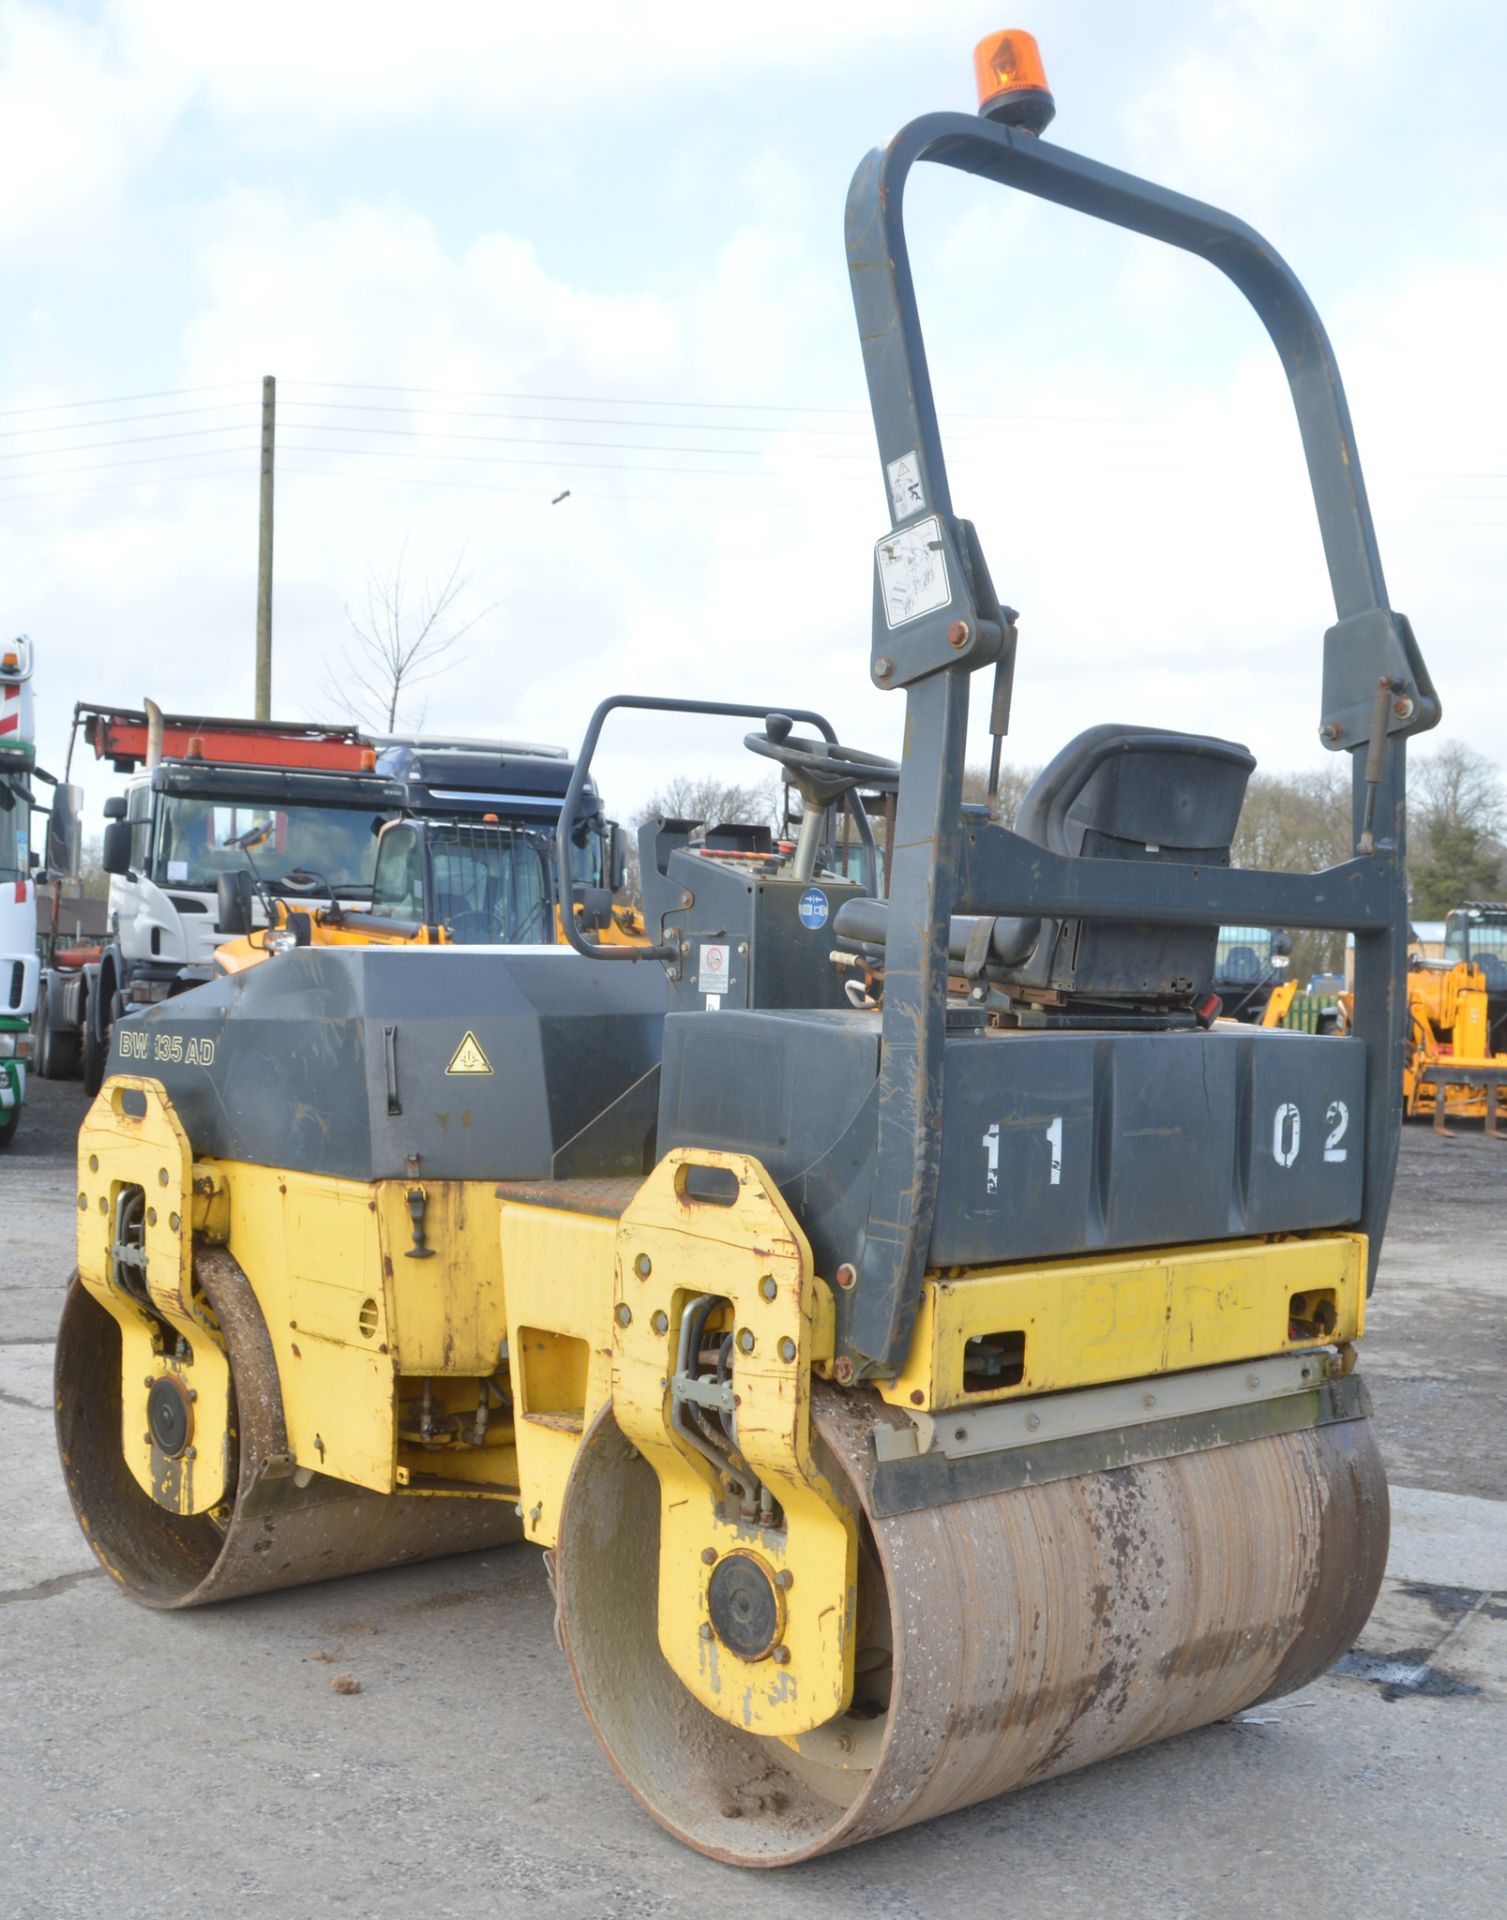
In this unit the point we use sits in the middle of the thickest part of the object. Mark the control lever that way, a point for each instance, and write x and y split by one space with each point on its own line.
1376 759
999 705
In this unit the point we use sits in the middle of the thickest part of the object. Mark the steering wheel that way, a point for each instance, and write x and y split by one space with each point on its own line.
472 928
301 882
821 771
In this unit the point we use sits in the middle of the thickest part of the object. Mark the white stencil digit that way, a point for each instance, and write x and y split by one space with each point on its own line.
991 1154
1338 1119
1287 1132
991 1158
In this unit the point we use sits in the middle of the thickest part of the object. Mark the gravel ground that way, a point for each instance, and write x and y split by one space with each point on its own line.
158 1765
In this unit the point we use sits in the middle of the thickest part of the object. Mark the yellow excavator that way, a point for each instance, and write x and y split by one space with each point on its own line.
918 1398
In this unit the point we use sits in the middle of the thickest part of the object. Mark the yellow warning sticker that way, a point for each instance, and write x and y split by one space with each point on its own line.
469 1058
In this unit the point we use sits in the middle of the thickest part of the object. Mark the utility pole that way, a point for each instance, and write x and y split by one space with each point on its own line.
264 556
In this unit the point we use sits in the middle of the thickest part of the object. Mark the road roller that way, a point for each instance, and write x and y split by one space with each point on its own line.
920 1332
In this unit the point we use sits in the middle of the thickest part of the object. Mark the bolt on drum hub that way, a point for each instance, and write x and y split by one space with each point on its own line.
170 1416
745 1606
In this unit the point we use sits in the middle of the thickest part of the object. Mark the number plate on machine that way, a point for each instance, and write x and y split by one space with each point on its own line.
1061 1143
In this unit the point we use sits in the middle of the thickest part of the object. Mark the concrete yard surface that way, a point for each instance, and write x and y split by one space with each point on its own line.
204 1765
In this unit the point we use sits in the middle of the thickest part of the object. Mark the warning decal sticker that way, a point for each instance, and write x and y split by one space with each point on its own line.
913 572
907 495
713 968
469 1058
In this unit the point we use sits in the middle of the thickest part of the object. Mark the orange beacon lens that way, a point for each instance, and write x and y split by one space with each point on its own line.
1012 83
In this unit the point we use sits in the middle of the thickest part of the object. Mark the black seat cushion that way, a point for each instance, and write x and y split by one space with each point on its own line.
1116 788
1120 793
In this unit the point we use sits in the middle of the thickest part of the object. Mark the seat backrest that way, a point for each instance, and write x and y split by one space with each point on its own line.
1241 964
1142 794
1128 792
1114 793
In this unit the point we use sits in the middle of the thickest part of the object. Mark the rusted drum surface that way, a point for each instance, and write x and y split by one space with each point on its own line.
1001 1640
279 1534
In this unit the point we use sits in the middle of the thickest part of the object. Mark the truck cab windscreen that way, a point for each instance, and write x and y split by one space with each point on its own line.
15 831
1481 939
194 843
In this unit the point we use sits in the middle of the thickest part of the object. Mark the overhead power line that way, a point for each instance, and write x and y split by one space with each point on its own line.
114 486
146 460
681 406
120 399
864 434
635 496
131 440
516 460
725 406
115 420
574 419
572 399
550 440
540 496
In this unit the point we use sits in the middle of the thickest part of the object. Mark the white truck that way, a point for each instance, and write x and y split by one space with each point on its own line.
18 894
301 805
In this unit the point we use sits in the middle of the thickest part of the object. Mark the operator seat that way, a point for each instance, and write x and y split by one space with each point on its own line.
1138 794
1493 971
1241 966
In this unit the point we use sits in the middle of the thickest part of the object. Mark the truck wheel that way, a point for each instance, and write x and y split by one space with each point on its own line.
96 1051
8 1124
54 1055
41 1052
63 1050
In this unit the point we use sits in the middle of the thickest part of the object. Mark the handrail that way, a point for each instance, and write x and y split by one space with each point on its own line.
716 709
936 620
1003 874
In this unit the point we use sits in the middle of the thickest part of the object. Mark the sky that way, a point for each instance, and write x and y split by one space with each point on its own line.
494 253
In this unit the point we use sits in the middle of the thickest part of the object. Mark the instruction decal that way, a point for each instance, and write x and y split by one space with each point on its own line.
812 907
913 572
907 495
714 964
469 1058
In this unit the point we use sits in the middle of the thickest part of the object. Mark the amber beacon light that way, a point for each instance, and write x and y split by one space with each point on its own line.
1012 82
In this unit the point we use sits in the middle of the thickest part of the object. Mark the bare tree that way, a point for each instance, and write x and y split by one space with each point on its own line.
94 882
1296 822
407 638
1014 784
715 802
1455 786
1300 823
1458 818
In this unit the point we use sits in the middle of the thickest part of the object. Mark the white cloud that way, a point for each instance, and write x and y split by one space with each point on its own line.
1149 517
86 105
1268 94
380 62
76 124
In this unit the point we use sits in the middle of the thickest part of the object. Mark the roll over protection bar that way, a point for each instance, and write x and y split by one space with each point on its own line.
646 703
929 643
